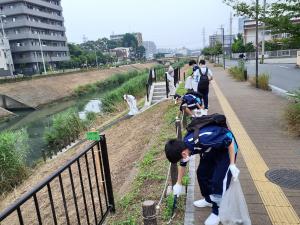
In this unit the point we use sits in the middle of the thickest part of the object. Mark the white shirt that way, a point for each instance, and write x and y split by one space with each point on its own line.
203 70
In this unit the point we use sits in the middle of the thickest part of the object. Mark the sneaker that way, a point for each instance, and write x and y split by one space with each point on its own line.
202 203
204 112
213 219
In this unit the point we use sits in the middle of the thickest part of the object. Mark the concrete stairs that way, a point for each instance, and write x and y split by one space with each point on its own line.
159 92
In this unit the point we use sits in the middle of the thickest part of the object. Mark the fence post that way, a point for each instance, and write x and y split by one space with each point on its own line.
154 71
167 86
149 213
147 91
184 76
107 175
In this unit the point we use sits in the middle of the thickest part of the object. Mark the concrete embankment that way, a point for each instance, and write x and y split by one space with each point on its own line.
5 113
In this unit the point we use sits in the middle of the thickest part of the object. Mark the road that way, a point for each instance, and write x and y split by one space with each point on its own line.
284 76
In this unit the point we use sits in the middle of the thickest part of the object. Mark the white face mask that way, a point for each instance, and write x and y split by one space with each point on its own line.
186 159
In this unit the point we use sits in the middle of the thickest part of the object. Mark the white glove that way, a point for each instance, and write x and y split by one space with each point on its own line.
234 171
177 189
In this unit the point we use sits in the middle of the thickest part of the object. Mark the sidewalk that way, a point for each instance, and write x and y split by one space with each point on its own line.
255 117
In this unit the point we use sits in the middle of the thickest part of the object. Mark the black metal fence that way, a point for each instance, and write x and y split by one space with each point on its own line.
80 192
151 79
176 76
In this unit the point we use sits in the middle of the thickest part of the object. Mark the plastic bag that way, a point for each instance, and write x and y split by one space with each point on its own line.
233 207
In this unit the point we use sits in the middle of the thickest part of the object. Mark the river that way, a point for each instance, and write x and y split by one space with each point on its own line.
35 121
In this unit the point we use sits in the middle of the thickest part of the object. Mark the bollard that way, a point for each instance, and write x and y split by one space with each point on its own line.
149 213
245 75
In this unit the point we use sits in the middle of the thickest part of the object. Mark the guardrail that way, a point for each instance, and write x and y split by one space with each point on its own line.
80 192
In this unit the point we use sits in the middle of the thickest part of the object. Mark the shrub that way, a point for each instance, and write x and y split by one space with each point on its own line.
237 73
65 126
292 117
14 149
292 114
263 81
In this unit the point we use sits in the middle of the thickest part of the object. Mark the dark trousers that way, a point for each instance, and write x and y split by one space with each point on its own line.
205 97
214 176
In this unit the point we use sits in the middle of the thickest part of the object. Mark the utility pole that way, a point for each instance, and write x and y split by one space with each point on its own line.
230 50
203 36
263 34
42 53
256 53
223 43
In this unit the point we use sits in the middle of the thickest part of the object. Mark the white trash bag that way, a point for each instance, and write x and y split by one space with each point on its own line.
233 207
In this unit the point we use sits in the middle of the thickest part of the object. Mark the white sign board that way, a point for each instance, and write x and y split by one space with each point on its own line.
298 58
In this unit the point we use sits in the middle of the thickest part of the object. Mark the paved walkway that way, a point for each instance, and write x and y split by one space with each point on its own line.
255 117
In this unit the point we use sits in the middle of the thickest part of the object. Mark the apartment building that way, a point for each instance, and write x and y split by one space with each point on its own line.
35 29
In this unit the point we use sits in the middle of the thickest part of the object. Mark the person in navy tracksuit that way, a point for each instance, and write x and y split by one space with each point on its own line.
217 148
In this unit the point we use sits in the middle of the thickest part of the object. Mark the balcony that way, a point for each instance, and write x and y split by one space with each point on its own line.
25 10
36 48
28 35
32 59
26 23
35 2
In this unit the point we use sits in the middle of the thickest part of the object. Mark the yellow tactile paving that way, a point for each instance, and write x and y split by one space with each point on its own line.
276 203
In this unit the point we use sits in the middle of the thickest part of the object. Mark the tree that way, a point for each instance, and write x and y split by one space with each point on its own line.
159 55
129 40
74 49
249 47
278 16
238 44
218 49
140 52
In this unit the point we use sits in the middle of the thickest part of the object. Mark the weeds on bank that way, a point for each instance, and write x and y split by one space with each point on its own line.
135 86
111 82
67 126
14 149
263 81
149 181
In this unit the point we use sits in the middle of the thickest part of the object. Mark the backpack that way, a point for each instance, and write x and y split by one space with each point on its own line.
204 80
201 122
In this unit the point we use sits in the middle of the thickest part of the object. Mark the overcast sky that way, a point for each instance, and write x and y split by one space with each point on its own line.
169 23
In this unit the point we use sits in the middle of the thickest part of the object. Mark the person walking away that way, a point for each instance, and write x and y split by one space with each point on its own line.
195 76
209 137
133 110
203 86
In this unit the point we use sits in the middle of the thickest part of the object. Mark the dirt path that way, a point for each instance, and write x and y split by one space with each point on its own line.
41 91
127 143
